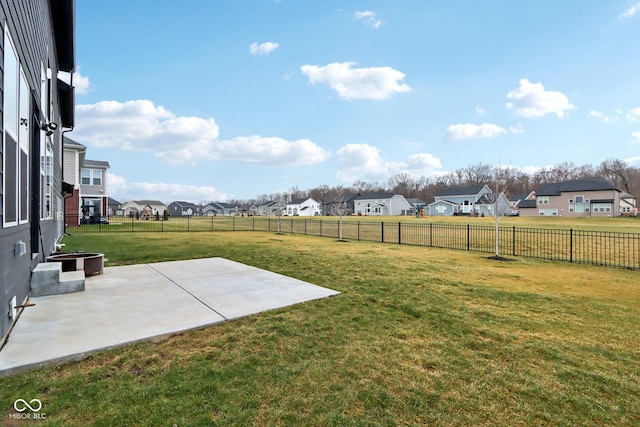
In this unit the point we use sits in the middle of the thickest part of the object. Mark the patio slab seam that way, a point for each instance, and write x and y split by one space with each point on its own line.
189 292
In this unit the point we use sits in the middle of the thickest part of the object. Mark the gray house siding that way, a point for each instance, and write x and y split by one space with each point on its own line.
30 27
441 209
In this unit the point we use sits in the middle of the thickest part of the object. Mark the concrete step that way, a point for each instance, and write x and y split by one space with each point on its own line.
70 281
49 279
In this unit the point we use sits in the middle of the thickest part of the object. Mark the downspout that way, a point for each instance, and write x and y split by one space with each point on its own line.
64 204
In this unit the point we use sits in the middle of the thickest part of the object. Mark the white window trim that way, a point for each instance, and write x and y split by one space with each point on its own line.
92 176
13 129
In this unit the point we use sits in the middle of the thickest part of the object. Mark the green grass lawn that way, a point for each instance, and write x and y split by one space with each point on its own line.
417 336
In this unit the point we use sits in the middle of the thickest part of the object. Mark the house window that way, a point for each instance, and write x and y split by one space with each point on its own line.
17 121
543 200
441 209
46 180
548 212
579 205
91 177
601 207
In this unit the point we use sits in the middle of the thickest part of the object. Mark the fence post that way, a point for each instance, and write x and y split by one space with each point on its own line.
513 241
213 216
305 226
430 234
382 232
468 237
253 223
321 229
188 223
399 233
571 245
132 224
358 230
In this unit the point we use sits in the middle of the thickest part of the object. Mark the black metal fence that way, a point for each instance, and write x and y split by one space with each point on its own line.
609 249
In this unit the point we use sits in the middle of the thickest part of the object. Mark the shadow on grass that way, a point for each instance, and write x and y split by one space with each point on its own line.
500 258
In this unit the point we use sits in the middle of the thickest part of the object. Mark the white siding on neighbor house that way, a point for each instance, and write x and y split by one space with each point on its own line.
396 205
70 161
309 207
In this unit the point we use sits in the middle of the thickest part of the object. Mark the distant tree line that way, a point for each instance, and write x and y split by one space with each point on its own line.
512 180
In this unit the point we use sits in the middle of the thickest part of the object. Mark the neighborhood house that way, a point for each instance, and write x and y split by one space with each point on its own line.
303 207
381 204
581 197
143 209
469 200
87 181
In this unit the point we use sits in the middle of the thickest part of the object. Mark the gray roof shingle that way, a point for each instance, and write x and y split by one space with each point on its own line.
595 183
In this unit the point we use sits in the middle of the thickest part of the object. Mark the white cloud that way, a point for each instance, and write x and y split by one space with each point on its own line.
636 137
531 100
634 115
142 126
81 83
630 12
480 111
601 116
271 151
422 164
357 83
530 170
263 48
122 191
517 129
368 17
363 161
633 161
471 131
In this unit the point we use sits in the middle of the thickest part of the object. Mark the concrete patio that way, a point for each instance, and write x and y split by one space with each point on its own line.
144 301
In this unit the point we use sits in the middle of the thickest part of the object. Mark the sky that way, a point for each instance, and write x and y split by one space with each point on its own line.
211 100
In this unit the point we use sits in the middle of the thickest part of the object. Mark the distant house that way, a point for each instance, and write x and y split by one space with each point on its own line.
468 200
182 209
516 201
271 208
143 208
458 200
340 205
217 209
114 207
581 197
303 207
381 204
87 179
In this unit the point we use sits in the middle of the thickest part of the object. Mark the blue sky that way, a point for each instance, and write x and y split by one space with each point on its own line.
210 100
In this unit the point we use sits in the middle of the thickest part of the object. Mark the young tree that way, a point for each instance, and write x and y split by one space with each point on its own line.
499 202
340 209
